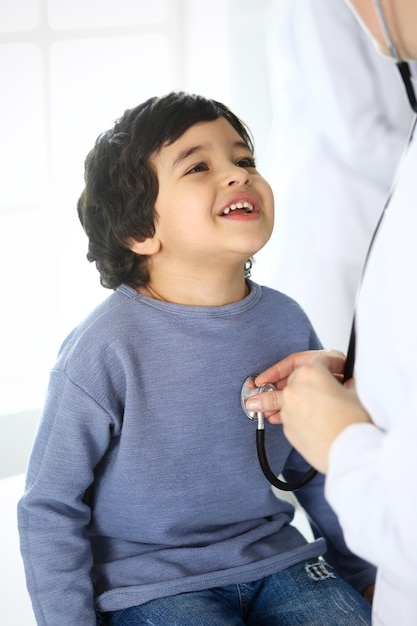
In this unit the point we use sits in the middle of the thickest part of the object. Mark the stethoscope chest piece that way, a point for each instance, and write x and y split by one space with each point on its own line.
249 389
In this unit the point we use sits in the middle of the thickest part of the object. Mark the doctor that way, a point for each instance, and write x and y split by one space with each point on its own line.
341 123
363 434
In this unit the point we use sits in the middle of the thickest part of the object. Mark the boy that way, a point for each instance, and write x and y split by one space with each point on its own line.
143 503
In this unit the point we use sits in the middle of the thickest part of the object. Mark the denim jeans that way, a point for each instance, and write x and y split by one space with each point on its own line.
307 594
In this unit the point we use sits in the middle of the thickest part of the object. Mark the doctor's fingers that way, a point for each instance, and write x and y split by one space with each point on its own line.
279 372
303 379
333 360
268 403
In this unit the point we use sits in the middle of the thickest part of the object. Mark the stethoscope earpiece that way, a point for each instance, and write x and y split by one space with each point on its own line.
250 389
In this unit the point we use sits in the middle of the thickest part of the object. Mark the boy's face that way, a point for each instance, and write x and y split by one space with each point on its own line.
201 176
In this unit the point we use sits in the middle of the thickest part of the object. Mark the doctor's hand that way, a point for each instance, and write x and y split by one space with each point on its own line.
313 406
270 403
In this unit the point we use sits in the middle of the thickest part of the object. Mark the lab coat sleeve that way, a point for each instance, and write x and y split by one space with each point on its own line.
337 68
73 435
368 485
323 520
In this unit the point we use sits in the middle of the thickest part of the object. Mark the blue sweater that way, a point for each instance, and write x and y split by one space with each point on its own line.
141 483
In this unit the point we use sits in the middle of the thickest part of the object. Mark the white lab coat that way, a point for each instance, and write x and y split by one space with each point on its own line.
371 482
341 123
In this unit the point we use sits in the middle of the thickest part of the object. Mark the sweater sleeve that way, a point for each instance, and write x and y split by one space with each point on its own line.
73 435
324 523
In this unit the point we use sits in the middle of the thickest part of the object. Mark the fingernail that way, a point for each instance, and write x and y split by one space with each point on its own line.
253 404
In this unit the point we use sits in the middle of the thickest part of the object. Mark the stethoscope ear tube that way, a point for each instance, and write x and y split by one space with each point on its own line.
269 474
405 73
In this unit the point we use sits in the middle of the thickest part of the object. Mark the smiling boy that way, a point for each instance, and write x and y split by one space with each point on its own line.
214 212
144 502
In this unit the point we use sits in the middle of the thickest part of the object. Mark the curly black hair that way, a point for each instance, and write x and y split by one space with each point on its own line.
121 187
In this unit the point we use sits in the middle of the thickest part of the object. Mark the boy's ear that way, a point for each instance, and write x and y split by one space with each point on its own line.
147 247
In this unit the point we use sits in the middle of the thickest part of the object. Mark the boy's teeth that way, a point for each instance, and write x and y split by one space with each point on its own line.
239 205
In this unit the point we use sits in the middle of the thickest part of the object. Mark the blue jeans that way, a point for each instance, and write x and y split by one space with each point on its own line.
307 594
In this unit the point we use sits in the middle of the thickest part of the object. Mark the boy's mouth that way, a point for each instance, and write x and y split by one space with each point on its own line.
242 208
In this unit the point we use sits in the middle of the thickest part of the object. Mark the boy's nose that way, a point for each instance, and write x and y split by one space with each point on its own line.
238 176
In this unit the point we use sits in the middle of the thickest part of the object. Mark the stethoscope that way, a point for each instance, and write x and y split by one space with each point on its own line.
249 388
405 73
403 66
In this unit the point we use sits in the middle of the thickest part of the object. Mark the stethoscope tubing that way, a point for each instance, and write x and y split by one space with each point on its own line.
269 474
248 389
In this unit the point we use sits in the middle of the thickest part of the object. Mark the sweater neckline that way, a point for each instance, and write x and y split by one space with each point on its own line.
233 308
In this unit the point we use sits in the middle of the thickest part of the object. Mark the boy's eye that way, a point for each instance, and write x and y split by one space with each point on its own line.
246 162
200 167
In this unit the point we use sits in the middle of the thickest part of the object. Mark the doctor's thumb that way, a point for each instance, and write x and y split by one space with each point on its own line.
265 402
